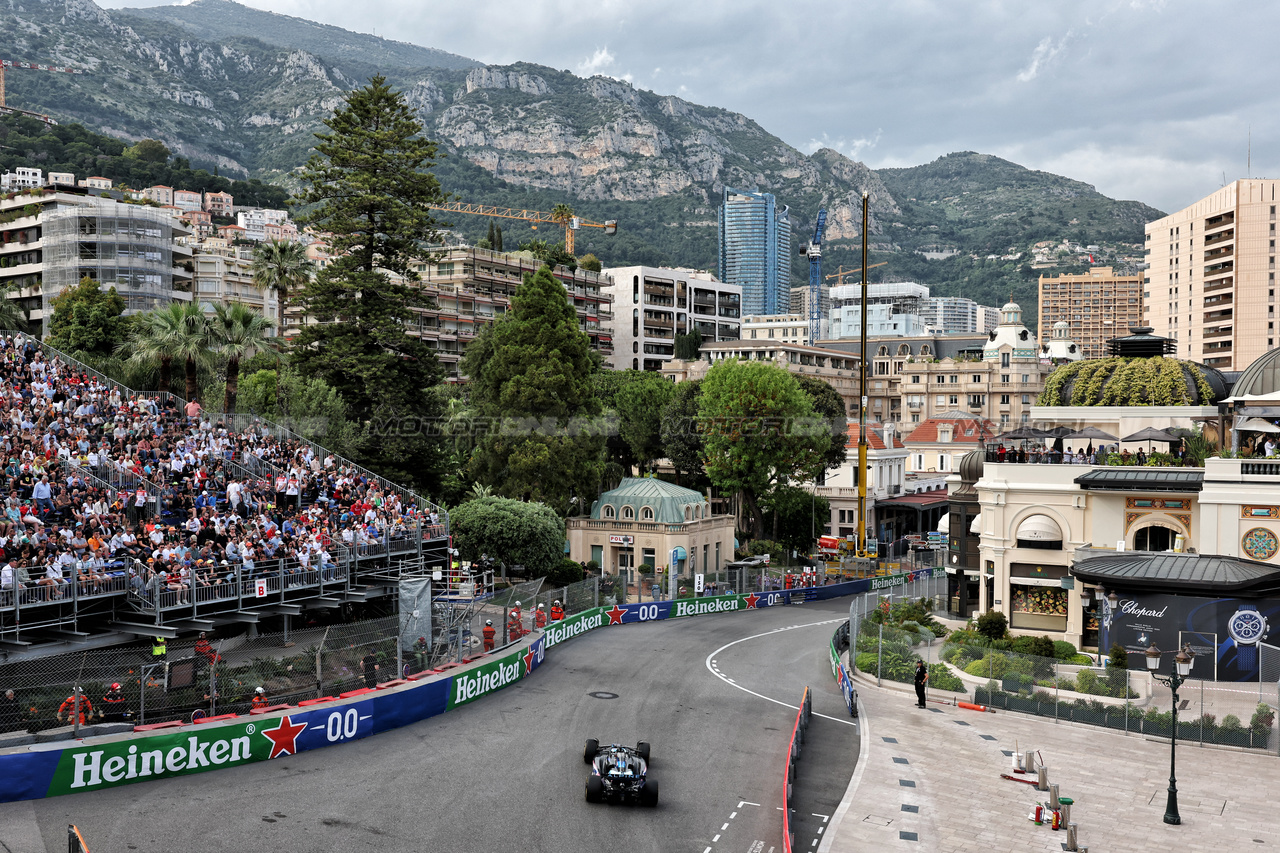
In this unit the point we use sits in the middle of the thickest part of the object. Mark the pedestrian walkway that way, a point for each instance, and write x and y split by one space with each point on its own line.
930 780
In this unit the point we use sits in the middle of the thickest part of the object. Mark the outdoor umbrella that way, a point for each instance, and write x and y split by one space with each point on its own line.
1022 434
1151 434
1259 425
1093 433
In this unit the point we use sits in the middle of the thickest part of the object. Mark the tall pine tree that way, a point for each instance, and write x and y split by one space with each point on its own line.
369 183
531 383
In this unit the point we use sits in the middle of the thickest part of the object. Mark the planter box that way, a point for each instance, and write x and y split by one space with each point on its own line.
1233 737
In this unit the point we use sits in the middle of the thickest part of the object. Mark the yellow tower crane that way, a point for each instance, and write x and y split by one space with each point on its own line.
562 215
840 273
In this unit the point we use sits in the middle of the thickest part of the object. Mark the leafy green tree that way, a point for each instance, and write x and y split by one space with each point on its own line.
237 332
681 441
798 517
639 405
531 380
309 407
369 185
149 151
759 432
590 263
993 625
566 572
87 319
282 267
687 346
515 532
829 405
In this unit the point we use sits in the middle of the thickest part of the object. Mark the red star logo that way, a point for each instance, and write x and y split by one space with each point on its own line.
615 615
283 737
751 600
528 660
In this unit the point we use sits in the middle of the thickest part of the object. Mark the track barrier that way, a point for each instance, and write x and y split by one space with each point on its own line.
803 715
178 748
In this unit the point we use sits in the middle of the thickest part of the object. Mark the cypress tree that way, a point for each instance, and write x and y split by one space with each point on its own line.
369 182
531 382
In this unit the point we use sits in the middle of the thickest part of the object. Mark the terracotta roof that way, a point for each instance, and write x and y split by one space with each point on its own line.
964 429
875 436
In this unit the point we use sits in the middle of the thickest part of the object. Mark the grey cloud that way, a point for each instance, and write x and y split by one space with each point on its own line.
1146 99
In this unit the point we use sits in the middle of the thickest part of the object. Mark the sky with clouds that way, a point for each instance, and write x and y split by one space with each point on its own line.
1152 100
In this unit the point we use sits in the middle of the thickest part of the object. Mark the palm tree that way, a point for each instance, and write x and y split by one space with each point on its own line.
237 332
479 492
281 266
148 344
11 315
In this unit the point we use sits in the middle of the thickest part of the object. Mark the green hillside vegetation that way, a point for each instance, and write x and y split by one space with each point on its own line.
71 148
218 20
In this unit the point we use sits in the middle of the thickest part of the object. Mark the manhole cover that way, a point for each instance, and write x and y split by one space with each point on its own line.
603 694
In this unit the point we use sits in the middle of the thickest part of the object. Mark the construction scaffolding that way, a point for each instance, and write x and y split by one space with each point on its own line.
125 246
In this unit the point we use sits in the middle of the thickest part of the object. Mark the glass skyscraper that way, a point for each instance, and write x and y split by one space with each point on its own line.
755 250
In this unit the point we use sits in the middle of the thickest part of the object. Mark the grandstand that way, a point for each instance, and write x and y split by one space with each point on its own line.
128 515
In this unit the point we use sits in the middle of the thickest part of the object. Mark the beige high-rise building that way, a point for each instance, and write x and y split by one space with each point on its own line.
1220 305
1097 305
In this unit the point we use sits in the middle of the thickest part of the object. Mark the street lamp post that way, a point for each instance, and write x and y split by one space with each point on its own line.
1182 668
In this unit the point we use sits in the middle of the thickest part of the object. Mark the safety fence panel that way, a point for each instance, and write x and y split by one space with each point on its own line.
794 748
1069 688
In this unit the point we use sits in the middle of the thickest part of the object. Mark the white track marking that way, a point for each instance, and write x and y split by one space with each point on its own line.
742 803
864 745
712 668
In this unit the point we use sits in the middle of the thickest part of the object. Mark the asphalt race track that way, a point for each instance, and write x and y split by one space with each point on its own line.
715 695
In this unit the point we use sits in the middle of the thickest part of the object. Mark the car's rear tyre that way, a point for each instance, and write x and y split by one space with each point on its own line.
643 749
589 754
650 792
595 789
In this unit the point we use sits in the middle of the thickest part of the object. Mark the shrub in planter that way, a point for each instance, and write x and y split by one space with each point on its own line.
993 625
1087 682
1062 650
865 662
941 678
1263 719
994 665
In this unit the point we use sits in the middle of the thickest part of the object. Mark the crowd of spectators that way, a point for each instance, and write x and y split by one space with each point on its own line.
113 491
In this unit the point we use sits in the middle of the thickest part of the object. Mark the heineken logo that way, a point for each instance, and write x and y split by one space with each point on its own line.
558 632
161 756
698 608
469 686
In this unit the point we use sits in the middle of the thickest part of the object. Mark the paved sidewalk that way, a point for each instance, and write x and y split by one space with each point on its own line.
931 781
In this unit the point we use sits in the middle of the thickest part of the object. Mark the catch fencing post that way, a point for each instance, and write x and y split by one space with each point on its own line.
879 649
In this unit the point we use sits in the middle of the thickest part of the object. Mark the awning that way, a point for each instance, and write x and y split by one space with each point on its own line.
969 573
1185 572
679 553
944 523
976 525
916 501
1142 479
1053 582
1039 528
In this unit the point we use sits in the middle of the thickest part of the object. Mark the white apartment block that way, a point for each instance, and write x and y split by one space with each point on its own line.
255 220
62 179
95 183
224 275
783 328
21 178
892 309
652 305
1220 305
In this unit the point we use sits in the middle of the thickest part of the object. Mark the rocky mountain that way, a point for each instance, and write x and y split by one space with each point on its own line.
217 20
242 90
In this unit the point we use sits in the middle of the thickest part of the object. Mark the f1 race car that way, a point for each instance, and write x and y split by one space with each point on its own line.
619 774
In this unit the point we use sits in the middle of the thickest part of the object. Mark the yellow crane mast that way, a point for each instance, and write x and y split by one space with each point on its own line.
562 215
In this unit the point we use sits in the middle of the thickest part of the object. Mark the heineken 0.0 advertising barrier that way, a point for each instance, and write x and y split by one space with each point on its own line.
27 774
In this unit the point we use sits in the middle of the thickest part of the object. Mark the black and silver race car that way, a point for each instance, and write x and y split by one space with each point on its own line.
619 774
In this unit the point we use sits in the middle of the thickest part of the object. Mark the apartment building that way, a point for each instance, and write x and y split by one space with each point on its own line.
958 315
892 309
21 178
1096 306
160 194
755 249
785 328
187 200
52 238
95 183
1221 306
219 204
255 221
468 288
223 275
654 304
